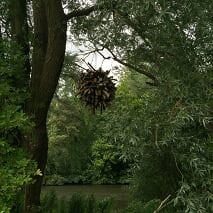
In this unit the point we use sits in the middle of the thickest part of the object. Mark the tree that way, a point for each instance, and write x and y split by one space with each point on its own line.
170 43
152 172
40 72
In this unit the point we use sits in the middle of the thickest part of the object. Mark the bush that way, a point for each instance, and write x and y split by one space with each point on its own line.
149 207
49 201
55 180
156 175
106 166
76 204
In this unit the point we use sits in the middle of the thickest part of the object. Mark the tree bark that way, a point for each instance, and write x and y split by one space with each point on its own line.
48 56
38 147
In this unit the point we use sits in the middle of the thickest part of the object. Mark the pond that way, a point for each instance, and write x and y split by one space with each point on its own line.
120 193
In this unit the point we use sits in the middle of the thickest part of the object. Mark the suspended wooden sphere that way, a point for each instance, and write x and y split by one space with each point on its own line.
96 89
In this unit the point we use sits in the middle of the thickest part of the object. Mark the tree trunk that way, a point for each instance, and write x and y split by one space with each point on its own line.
48 56
38 149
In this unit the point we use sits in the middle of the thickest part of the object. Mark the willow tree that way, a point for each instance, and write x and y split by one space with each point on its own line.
170 42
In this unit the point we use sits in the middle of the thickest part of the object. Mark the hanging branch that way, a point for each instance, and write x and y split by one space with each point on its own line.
176 164
147 74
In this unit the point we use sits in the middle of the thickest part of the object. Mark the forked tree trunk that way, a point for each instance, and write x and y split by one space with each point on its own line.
48 56
50 26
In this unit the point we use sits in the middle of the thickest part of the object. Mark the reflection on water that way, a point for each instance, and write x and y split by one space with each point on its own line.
120 193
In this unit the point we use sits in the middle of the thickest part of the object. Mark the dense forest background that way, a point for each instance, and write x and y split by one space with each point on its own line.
157 135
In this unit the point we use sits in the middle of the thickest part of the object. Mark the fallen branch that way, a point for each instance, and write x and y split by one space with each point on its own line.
163 204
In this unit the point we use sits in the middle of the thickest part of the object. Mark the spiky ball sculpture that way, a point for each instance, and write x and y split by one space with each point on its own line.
96 89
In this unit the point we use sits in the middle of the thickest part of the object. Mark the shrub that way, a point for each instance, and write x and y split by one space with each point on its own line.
76 204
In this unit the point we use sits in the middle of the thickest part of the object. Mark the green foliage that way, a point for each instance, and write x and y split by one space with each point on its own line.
181 129
173 41
55 179
106 205
74 131
16 171
149 207
16 168
134 207
90 204
70 129
106 167
164 132
154 170
156 176
48 202
76 204
168 145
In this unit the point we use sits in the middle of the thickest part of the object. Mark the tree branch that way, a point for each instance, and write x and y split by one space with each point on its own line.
81 12
133 25
147 74
176 164
163 204
87 11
